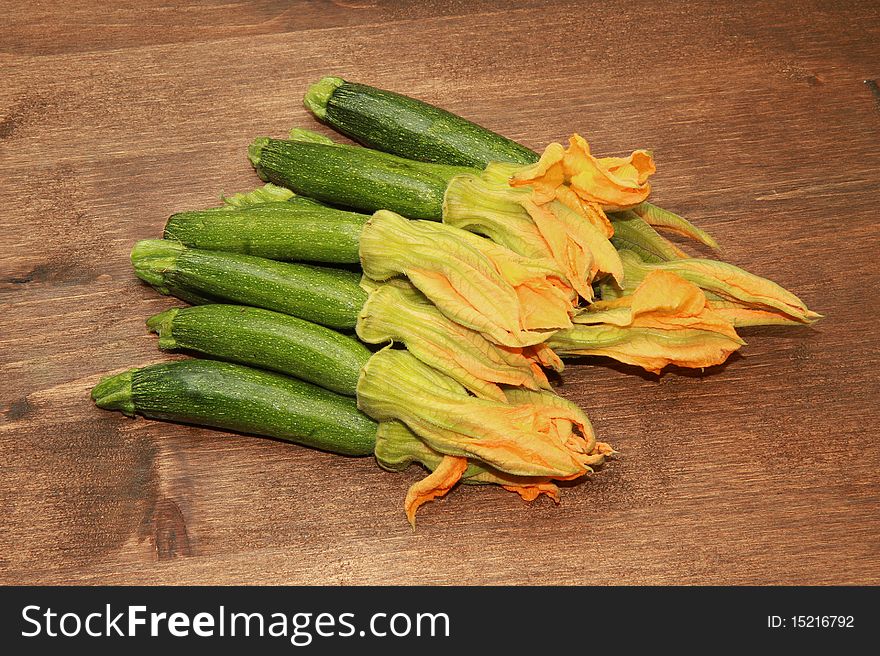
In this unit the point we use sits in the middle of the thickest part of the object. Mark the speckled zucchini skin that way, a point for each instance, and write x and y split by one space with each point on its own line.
355 177
265 339
295 230
398 124
330 297
239 398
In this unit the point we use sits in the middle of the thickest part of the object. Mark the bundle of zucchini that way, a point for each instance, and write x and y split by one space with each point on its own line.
472 261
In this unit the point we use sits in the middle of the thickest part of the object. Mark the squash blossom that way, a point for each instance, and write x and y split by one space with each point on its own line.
511 217
397 447
554 208
512 300
580 180
397 312
665 320
530 434
741 297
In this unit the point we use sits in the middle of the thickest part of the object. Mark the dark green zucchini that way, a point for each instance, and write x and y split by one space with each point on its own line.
408 127
330 297
239 398
356 177
265 339
296 229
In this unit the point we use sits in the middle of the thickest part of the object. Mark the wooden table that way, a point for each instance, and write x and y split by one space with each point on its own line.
764 470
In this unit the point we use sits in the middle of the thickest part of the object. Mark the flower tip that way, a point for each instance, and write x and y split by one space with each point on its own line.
436 484
605 449
710 241
532 491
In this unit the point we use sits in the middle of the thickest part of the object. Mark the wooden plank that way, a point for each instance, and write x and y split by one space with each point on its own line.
760 471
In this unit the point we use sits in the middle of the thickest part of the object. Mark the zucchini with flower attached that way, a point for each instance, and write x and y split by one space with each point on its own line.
410 128
522 442
512 300
528 209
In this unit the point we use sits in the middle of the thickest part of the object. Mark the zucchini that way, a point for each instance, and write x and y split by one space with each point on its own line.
408 127
265 339
239 398
411 128
352 176
330 297
296 229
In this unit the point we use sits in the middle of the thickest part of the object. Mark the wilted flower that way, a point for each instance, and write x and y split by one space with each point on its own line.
548 229
397 312
530 434
511 299
665 320
738 296
397 447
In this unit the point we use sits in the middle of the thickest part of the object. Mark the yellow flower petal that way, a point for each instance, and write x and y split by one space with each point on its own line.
632 232
666 320
740 297
612 182
740 316
397 312
436 484
511 299
543 356
532 434
532 491
544 177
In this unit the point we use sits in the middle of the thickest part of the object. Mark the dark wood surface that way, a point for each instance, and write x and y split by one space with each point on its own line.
765 470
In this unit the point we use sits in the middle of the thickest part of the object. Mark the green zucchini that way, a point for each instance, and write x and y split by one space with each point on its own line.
239 398
330 297
408 127
265 339
296 229
352 176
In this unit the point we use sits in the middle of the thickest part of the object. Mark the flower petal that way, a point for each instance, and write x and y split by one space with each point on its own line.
512 300
532 434
436 484
612 182
658 217
665 320
397 311
544 177
739 286
531 491
742 298
633 233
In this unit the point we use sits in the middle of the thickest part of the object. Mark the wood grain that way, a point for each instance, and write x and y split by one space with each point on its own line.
764 470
